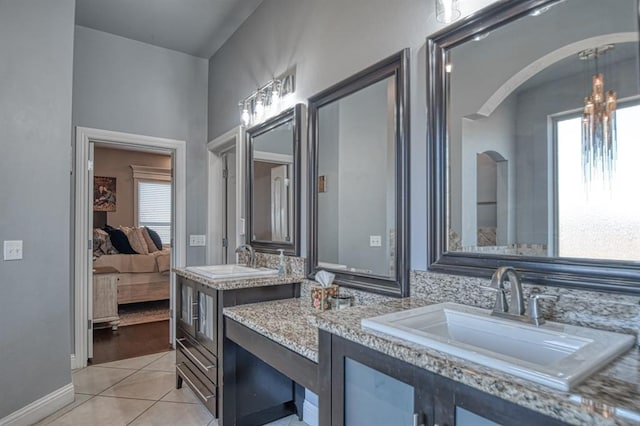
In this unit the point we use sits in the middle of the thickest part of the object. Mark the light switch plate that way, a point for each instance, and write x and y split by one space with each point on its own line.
13 250
196 240
375 241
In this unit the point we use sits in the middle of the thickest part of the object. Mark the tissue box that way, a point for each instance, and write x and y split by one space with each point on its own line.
320 296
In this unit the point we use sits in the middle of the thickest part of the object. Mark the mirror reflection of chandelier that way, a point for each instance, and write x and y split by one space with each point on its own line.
598 123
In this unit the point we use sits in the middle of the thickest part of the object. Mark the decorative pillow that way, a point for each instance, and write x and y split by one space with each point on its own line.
155 237
147 238
99 237
135 240
119 240
102 243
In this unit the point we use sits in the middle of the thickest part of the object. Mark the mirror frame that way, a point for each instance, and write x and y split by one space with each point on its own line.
293 114
583 274
396 65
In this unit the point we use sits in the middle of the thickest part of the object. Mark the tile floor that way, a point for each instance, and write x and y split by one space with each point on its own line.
136 391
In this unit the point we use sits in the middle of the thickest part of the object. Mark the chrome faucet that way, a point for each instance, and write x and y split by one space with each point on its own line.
251 261
515 308
516 303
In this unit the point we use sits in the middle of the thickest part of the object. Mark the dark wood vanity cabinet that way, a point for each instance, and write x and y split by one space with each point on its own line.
196 337
200 334
369 387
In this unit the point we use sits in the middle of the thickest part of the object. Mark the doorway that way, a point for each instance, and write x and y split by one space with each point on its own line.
172 239
131 273
225 196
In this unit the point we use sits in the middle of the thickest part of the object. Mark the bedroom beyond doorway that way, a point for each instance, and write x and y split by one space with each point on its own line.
132 228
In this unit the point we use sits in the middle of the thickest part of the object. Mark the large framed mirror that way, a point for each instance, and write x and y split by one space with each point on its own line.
273 184
358 179
534 111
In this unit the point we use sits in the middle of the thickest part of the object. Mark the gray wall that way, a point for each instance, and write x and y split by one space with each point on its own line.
127 86
362 194
328 162
328 41
495 133
36 47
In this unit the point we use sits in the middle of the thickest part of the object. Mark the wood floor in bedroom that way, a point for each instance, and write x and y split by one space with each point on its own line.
131 341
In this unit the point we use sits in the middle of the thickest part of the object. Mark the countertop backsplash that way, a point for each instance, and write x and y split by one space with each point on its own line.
294 265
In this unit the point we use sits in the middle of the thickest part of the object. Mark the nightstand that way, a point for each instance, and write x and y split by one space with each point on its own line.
105 296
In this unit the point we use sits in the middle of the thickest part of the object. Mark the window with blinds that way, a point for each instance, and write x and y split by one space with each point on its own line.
154 207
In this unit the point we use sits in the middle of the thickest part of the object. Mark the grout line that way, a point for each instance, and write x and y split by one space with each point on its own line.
144 411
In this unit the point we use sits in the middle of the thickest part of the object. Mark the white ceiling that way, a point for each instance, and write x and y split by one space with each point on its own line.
196 27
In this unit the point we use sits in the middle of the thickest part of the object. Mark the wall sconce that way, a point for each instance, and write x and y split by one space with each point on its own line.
447 11
267 101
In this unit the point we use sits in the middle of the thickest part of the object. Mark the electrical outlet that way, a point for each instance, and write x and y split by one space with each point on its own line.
13 250
196 240
375 241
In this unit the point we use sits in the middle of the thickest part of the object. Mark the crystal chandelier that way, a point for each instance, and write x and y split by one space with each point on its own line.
599 137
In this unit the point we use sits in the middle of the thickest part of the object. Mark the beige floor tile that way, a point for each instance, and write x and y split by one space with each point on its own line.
183 394
133 363
165 363
93 380
143 385
79 399
104 411
291 420
172 413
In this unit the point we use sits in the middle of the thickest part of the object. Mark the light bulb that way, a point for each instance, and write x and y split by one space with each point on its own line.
246 118
259 112
447 11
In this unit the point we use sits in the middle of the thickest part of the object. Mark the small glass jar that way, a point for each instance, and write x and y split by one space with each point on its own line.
340 302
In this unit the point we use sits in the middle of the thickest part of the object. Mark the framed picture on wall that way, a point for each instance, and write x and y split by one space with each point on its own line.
104 194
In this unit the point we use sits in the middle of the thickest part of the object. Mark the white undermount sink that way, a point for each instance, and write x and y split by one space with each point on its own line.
553 354
232 271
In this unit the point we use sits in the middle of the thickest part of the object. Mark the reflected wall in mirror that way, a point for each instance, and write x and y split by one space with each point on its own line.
513 100
273 187
358 175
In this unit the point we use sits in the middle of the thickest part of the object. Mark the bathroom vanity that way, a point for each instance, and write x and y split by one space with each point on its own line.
361 375
200 350
369 375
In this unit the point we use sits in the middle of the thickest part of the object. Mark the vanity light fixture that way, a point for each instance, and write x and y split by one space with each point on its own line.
599 138
268 101
447 11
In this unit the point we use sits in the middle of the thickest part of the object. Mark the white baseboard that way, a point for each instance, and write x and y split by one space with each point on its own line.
310 413
40 408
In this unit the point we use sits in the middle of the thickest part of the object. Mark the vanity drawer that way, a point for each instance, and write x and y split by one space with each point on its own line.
203 388
189 349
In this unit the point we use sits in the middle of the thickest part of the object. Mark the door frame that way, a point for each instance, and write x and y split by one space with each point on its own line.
215 183
82 273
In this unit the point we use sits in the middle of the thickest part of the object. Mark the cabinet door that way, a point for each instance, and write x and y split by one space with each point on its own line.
461 405
186 304
206 324
369 388
371 397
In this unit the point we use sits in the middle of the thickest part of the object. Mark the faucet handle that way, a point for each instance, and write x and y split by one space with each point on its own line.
533 310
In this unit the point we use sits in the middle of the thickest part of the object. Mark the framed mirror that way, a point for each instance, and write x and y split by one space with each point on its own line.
533 123
273 184
358 179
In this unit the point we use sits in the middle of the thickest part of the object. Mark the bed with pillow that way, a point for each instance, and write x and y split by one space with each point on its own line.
140 258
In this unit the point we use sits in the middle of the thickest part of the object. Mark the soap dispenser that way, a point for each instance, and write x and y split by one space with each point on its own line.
281 265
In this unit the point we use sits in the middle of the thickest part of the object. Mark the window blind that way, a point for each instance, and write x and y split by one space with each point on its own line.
154 207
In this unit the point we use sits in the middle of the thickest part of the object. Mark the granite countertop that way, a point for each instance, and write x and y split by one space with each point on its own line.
235 283
283 321
610 397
